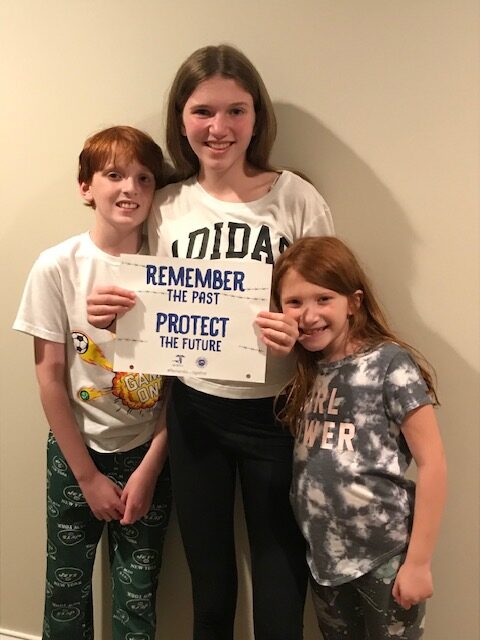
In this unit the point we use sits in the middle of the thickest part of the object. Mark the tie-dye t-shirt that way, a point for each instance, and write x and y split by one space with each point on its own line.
349 493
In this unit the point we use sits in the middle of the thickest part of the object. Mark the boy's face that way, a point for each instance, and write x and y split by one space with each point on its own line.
121 193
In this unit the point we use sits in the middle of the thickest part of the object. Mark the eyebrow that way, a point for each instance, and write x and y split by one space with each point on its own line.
197 105
116 166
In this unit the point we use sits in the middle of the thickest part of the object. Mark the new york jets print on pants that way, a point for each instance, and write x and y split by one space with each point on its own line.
135 551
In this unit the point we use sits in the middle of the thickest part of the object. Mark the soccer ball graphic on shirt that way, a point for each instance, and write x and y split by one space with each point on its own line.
140 392
80 342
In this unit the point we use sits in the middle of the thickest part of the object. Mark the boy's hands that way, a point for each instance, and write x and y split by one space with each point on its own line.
413 584
279 332
137 495
103 497
104 304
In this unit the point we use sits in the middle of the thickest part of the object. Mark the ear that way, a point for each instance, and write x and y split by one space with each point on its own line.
183 130
85 192
355 302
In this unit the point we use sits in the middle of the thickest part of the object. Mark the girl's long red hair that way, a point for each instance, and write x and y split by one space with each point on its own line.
329 263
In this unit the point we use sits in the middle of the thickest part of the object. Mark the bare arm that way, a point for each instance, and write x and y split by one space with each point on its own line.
414 580
104 304
101 494
138 492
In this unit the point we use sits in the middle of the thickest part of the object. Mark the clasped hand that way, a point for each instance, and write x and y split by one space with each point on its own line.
108 501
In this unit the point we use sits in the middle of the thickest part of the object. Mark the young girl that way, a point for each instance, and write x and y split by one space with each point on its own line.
360 406
231 204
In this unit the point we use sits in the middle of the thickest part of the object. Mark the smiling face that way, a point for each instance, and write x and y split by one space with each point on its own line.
121 194
322 315
218 121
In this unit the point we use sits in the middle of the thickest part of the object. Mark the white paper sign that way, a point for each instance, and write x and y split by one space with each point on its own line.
193 318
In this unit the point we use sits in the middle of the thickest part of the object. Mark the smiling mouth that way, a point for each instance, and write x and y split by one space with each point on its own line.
127 205
218 146
311 332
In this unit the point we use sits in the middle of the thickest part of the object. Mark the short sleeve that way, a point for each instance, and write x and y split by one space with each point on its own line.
320 221
315 218
404 388
42 311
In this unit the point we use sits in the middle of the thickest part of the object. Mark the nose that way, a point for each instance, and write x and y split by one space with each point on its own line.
218 125
129 185
308 316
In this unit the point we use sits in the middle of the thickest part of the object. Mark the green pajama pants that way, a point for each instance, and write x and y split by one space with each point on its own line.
73 534
364 609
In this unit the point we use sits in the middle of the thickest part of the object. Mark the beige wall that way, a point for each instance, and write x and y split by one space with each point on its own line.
377 101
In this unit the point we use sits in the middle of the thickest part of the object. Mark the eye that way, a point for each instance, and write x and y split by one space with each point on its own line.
146 178
291 303
202 112
113 175
237 111
324 299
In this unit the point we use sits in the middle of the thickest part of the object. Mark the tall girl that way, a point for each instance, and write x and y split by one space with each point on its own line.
360 406
231 203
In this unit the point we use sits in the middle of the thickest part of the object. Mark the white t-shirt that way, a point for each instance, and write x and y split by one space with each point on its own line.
188 222
114 411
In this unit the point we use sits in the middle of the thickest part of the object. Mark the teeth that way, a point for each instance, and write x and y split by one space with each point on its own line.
312 331
127 205
219 145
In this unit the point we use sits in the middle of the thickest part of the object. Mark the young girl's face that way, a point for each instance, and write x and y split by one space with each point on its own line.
321 314
218 121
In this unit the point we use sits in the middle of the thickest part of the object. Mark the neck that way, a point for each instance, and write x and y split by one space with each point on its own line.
348 348
244 185
114 242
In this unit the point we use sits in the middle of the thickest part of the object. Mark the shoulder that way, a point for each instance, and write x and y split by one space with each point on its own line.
388 357
396 355
390 350
303 203
63 252
404 388
173 191
401 369
169 204
296 186
374 366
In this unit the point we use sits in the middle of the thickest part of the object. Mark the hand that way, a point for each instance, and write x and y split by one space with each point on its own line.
137 496
278 331
413 584
103 497
104 304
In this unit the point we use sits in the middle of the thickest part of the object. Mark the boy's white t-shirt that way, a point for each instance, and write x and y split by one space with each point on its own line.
188 222
114 411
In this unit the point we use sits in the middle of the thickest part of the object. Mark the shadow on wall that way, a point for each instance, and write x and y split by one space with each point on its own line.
365 213
369 218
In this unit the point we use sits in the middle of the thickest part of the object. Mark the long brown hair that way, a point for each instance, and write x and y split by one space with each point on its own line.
329 263
228 62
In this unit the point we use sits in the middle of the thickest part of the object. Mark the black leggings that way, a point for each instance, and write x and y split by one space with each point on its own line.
209 439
